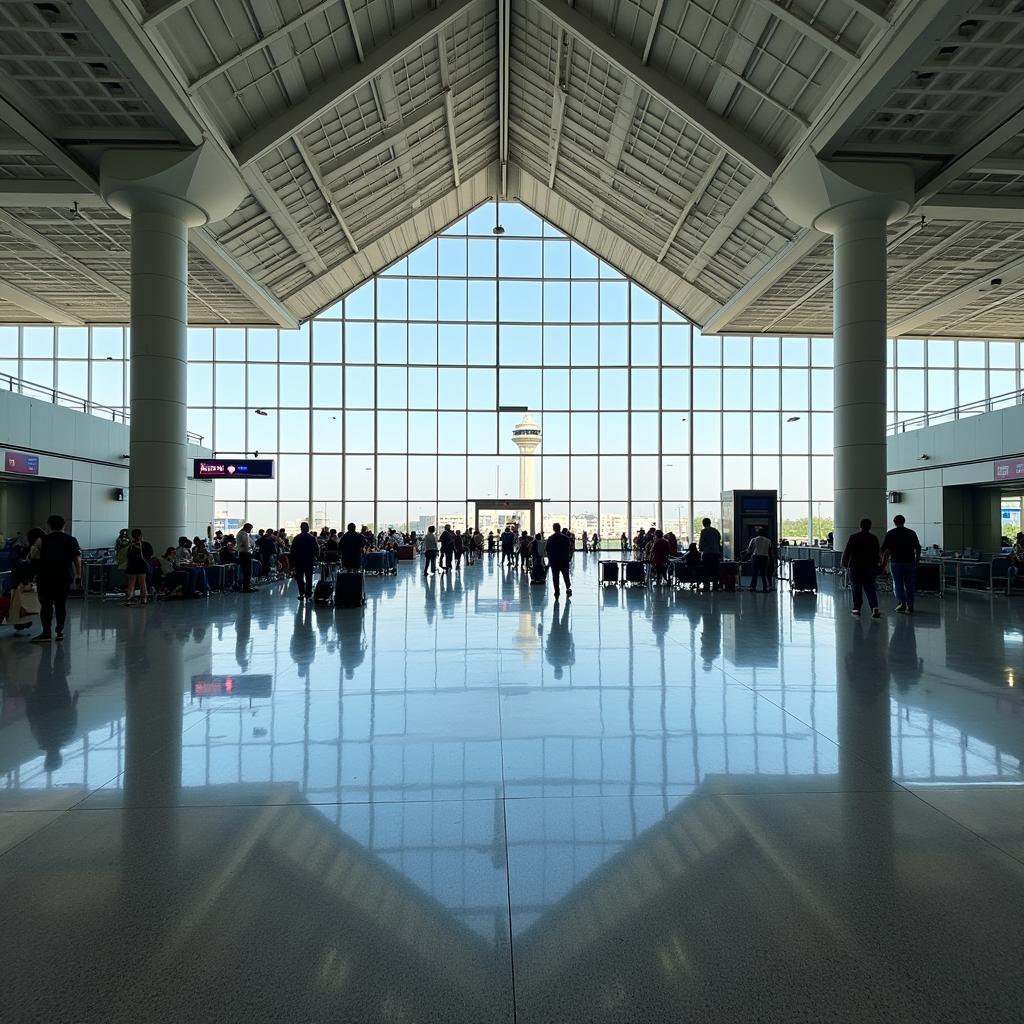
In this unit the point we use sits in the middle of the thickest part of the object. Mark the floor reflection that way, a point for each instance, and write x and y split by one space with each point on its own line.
629 789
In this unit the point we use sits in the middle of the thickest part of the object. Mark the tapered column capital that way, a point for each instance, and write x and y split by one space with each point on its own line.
828 194
198 186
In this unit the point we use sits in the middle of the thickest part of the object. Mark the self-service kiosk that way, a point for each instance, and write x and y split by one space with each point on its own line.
742 513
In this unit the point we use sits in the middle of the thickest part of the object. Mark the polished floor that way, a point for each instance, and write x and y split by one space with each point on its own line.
469 804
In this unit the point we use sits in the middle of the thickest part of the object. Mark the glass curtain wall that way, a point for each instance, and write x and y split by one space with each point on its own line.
396 405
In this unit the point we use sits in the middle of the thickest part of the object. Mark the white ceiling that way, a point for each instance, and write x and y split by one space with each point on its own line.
651 130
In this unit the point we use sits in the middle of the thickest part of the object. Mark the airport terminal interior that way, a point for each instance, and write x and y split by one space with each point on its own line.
546 487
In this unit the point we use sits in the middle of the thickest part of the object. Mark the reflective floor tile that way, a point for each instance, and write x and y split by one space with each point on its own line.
842 907
16 826
361 913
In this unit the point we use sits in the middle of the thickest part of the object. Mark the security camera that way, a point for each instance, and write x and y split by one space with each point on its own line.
996 282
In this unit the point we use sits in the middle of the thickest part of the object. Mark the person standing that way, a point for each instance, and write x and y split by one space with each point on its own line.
351 546
304 554
709 543
459 547
60 561
137 567
559 552
860 556
244 544
624 543
659 557
759 550
430 552
901 551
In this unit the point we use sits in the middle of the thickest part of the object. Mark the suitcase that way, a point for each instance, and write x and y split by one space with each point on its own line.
728 573
405 553
323 591
348 590
636 572
375 562
803 576
5 607
538 572
216 574
609 573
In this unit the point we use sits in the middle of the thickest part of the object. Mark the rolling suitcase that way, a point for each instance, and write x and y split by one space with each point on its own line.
348 590
405 553
727 576
636 572
538 571
609 573
323 591
803 576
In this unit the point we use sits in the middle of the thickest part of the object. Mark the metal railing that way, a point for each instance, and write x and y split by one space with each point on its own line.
117 414
959 412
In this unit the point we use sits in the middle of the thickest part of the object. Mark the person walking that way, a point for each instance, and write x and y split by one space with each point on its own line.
709 543
447 548
244 544
759 551
901 551
304 553
60 561
559 552
459 546
430 552
860 557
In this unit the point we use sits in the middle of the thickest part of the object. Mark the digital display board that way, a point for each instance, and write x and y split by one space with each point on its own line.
20 462
243 469
242 685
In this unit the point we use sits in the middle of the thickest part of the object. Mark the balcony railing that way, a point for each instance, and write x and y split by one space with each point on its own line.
117 414
960 412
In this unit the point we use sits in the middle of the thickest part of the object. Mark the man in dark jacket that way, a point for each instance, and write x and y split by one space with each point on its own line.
559 552
304 553
352 545
901 551
861 558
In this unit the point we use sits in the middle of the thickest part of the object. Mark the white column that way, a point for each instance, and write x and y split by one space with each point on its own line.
164 192
854 201
858 327
159 318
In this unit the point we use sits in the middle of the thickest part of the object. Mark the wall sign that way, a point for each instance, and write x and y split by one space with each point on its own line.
20 462
1008 469
242 469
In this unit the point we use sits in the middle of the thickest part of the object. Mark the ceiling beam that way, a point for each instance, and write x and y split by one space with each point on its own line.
969 158
314 173
797 250
260 44
348 81
162 11
352 158
504 16
659 6
449 105
46 192
877 18
563 63
985 209
40 307
219 258
810 31
667 90
695 197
